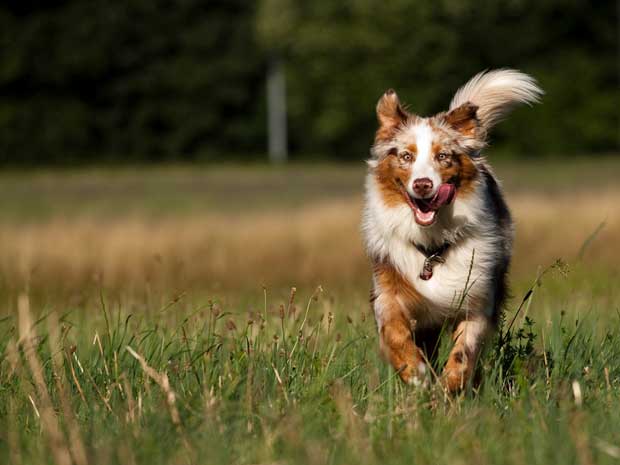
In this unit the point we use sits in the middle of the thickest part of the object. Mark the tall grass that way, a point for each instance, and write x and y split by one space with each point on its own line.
298 382
142 325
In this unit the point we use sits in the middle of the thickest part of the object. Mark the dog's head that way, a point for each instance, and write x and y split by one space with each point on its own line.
426 162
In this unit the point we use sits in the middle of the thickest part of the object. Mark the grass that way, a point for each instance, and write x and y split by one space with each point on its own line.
136 328
296 383
222 229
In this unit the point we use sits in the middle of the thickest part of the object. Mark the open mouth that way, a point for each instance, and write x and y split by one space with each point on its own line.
425 210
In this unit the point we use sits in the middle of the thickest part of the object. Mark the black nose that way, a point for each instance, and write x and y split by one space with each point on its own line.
422 186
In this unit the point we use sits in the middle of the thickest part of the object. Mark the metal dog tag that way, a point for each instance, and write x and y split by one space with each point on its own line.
427 268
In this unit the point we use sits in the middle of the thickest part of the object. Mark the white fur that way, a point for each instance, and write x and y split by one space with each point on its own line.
391 231
471 332
423 167
496 92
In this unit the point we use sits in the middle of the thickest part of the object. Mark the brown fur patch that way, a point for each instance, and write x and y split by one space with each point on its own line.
390 115
458 168
461 171
398 347
459 369
384 133
464 119
391 282
399 300
468 173
390 174
461 363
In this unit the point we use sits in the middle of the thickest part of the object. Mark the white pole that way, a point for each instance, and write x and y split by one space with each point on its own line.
276 111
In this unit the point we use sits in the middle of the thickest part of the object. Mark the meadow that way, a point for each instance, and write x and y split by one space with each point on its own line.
219 314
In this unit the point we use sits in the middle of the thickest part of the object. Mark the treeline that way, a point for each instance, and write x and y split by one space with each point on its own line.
136 80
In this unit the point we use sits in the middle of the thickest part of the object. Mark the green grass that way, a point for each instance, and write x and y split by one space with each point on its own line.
179 190
124 374
299 382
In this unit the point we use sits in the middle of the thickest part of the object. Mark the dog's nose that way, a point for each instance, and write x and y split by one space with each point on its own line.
422 186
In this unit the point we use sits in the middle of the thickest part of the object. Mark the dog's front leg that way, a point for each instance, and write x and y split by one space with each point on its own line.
398 347
468 338
395 305
396 340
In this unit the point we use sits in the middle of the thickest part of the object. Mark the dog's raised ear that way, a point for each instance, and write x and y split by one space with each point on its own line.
464 119
390 113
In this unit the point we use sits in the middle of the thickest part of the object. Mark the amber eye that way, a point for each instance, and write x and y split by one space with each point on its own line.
442 156
406 156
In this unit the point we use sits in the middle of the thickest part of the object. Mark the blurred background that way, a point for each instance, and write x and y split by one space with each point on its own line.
210 148
186 80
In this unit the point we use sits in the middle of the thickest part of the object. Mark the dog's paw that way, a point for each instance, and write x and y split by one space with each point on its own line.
417 375
457 372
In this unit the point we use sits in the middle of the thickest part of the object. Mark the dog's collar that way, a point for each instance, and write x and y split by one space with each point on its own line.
433 256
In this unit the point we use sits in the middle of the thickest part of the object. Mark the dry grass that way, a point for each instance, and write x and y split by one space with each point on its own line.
318 244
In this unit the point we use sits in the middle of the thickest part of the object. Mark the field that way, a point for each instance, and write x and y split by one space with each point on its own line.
202 314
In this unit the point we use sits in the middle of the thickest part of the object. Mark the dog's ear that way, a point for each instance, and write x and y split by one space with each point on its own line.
464 119
390 114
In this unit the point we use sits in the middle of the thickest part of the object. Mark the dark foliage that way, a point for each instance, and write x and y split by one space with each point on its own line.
157 80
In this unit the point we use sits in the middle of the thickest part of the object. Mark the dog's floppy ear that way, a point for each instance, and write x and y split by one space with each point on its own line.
390 114
464 119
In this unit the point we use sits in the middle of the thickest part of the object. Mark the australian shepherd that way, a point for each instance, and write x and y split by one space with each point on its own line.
437 228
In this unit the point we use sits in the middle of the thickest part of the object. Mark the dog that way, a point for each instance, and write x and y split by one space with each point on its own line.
437 229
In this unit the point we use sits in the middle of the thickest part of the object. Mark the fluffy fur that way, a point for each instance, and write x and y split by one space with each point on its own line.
466 290
496 92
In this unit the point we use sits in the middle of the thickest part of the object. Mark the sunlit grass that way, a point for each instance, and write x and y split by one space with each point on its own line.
207 229
296 382
148 317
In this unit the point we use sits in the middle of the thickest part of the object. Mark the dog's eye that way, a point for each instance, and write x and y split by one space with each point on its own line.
442 156
406 156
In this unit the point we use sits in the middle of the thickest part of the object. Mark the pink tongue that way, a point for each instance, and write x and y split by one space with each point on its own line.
444 196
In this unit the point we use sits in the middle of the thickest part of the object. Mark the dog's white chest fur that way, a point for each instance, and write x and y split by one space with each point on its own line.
463 282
